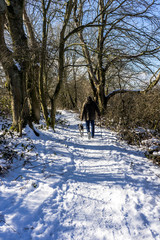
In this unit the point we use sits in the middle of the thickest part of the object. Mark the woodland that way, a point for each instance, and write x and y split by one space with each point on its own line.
55 182
53 54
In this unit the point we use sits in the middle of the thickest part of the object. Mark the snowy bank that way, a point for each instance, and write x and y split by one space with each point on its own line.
64 187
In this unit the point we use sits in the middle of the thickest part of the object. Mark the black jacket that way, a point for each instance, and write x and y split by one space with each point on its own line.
89 110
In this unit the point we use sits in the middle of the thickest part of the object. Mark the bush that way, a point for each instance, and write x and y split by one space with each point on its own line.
132 110
136 117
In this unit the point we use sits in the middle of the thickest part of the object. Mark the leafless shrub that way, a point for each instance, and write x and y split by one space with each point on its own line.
133 110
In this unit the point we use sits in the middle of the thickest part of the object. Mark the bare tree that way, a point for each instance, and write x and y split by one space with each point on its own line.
66 10
33 70
15 62
127 35
114 36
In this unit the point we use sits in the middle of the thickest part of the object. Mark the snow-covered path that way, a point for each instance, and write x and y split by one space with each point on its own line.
80 189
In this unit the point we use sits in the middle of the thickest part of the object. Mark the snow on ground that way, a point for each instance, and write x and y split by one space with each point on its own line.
70 187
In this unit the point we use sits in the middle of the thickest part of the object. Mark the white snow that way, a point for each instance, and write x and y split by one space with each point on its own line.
72 188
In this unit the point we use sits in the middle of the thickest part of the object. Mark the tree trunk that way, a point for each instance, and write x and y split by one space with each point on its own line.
18 86
33 93
60 79
68 11
101 98
15 78
53 113
32 82
75 88
16 63
42 90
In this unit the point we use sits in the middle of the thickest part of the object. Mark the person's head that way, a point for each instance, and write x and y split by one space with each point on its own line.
89 98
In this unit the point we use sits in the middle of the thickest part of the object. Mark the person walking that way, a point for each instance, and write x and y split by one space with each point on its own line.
89 111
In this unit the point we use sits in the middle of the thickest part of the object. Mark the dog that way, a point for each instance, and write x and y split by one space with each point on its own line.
81 129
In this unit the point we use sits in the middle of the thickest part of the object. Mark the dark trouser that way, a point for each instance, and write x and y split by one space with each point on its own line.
88 123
